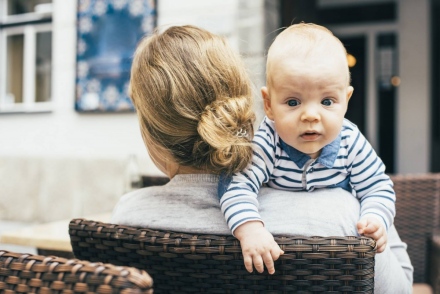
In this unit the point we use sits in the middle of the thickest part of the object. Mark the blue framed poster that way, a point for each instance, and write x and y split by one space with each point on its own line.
108 32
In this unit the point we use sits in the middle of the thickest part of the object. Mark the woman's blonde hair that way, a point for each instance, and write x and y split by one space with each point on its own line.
193 98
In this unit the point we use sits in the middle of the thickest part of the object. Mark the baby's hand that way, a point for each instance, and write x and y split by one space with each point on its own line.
258 246
373 228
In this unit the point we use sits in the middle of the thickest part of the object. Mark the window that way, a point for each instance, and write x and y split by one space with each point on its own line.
25 55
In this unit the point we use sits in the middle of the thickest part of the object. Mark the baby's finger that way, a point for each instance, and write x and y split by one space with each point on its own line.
376 235
276 252
248 262
372 227
382 243
258 263
361 225
381 249
268 261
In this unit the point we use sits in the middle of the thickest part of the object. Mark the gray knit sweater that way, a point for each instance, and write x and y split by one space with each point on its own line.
189 203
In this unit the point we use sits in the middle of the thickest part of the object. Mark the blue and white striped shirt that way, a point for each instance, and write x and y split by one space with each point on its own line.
348 162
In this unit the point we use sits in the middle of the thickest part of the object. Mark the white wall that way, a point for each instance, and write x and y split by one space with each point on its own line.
413 105
63 164
64 132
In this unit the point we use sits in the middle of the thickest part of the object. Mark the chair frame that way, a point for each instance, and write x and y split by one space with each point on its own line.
417 220
188 263
28 273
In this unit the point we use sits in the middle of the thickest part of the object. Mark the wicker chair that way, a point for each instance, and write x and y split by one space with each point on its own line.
417 220
26 273
187 263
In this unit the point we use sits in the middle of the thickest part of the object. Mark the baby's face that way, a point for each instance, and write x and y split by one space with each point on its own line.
307 98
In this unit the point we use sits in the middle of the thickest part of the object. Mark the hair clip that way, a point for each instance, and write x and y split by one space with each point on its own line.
241 133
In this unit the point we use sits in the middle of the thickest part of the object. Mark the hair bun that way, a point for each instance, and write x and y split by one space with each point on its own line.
226 125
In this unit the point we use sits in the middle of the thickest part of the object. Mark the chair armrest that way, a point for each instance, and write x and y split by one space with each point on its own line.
434 262
26 273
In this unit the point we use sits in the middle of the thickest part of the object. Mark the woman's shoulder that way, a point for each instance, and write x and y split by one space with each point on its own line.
176 195
135 197
335 212
187 203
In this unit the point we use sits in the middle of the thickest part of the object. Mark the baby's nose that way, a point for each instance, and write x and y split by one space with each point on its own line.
310 114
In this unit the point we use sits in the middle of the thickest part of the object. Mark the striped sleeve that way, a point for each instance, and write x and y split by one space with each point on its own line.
373 187
239 202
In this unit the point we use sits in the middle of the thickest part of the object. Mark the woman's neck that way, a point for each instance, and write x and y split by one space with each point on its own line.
182 170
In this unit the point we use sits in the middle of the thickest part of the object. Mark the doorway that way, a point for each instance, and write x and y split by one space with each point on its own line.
356 108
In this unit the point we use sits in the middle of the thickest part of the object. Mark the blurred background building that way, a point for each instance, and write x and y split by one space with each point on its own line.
67 129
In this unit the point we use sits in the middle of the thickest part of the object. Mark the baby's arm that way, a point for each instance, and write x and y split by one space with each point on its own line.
239 204
375 191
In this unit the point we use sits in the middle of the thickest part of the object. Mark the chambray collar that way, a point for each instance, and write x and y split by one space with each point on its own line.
327 158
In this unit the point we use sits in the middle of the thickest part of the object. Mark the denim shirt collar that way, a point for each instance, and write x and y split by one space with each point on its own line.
327 157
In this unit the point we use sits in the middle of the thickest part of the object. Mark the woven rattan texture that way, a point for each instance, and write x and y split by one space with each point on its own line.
417 206
25 273
185 263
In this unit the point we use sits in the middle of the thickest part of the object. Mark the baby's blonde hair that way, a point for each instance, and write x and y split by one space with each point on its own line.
194 99
301 40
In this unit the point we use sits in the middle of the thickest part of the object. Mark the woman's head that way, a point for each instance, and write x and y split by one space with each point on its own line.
194 99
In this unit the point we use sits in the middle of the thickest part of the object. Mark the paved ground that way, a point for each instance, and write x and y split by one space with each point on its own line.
10 226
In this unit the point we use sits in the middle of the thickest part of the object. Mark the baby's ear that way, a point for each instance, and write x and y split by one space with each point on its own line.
267 104
350 90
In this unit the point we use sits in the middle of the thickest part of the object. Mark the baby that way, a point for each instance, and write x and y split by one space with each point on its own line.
304 143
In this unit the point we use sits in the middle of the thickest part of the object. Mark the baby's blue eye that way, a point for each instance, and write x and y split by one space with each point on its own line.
327 102
293 103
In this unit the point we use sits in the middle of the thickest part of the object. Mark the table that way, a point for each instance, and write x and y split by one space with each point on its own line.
50 238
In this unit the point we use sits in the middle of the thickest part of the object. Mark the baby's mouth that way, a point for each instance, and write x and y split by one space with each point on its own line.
310 136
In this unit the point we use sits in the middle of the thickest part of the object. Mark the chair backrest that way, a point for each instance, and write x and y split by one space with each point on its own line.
27 273
188 263
417 206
